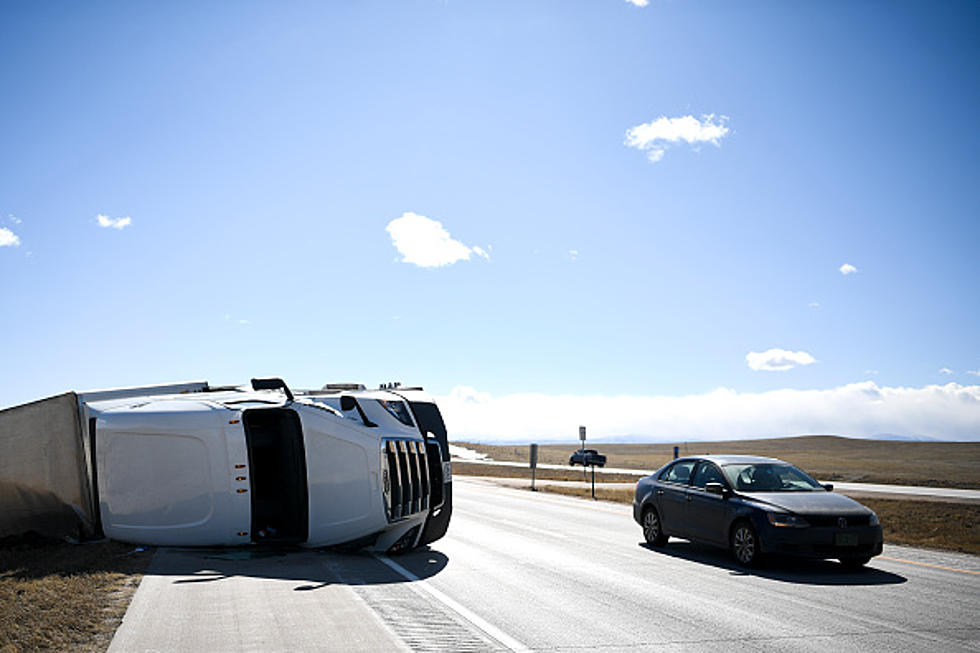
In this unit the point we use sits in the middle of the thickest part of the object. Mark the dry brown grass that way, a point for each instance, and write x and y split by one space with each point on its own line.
56 596
571 474
829 458
925 524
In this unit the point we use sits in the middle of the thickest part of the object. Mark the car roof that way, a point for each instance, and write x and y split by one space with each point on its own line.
732 459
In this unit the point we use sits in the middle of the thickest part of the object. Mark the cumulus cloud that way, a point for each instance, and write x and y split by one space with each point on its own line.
656 136
945 370
814 304
847 268
639 3
8 238
114 223
778 360
973 372
948 412
13 218
426 243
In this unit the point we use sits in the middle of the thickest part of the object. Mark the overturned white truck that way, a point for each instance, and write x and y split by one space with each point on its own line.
194 465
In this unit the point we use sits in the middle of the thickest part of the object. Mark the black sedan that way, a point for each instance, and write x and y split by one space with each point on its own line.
754 506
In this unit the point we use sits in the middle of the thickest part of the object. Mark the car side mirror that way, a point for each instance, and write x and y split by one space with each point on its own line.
715 488
829 487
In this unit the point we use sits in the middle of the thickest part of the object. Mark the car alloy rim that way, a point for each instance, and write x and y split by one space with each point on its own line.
744 545
651 526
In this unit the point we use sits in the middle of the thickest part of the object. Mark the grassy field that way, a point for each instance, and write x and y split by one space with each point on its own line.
56 596
829 458
931 525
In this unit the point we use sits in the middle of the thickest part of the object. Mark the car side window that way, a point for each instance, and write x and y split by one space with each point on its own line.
679 472
707 473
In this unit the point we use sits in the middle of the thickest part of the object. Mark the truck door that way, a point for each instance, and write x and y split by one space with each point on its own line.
277 474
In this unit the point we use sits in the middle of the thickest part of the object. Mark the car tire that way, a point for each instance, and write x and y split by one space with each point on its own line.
653 531
745 544
854 564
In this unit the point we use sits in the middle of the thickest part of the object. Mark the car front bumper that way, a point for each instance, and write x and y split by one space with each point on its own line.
822 542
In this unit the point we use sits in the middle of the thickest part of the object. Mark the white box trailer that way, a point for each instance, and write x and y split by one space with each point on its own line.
192 465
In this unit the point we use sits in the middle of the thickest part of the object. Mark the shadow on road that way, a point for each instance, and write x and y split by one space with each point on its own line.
312 569
784 569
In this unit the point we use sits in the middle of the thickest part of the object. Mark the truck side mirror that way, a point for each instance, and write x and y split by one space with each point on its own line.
829 487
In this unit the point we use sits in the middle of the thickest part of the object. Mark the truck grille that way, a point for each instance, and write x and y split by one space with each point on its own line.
405 472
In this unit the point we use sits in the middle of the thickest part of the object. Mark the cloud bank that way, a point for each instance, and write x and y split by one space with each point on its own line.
114 223
777 360
656 136
946 412
426 243
8 238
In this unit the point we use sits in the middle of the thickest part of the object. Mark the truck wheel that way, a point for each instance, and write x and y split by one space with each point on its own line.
653 531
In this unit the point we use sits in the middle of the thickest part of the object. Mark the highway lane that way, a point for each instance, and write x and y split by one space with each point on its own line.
525 571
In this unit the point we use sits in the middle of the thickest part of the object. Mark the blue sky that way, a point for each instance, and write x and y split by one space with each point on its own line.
261 153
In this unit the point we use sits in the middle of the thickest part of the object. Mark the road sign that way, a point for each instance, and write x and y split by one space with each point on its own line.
581 434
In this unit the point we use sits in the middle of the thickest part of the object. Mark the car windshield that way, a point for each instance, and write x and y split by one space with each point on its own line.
769 477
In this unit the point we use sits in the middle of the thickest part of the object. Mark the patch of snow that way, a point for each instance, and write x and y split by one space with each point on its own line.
462 453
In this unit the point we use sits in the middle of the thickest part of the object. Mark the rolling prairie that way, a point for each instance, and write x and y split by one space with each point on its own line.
827 457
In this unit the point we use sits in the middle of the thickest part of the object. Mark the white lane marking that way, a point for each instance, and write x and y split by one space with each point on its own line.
499 635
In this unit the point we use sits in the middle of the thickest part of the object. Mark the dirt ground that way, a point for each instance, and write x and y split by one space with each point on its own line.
56 596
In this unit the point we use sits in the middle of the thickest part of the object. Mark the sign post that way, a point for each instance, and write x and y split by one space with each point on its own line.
534 463
581 436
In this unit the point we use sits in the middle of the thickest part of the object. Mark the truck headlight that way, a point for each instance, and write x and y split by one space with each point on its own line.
786 520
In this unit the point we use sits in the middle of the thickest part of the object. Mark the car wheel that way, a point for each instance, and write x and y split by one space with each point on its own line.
853 564
653 531
745 544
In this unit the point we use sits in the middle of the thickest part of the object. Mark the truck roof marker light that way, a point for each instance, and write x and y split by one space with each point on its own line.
242 533
241 490
235 421
239 466
239 478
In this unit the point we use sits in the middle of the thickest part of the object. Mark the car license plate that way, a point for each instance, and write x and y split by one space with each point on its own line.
846 539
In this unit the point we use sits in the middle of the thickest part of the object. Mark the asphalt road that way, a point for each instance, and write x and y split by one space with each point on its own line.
523 571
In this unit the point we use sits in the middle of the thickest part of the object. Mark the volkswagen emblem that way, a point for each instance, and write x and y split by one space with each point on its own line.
841 522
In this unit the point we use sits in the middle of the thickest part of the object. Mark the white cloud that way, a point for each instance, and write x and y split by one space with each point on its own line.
949 412
115 223
778 360
871 372
13 218
945 371
8 238
847 268
656 136
424 242
639 3
814 304
973 372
